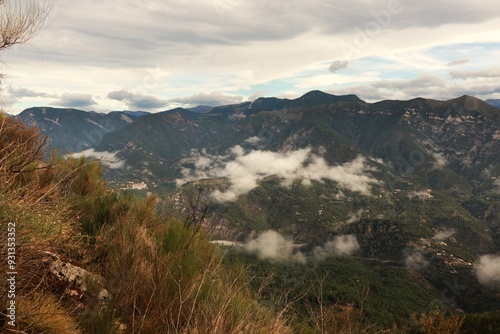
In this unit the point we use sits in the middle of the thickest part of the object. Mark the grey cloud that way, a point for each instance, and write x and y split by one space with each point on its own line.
482 73
225 37
398 14
14 95
25 92
429 13
338 65
213 99
137 101
458 62
190 24
200 23
74 100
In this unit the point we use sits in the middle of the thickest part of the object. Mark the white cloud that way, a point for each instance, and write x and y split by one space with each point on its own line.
109 159
440 160
444 234
253 140
271 245
414 257
488 269
245 169
340 245
213 99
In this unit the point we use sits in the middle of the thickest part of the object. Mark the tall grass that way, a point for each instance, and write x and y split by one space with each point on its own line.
32 196
166 277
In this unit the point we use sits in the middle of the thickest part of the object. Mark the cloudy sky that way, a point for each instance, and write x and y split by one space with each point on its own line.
155 55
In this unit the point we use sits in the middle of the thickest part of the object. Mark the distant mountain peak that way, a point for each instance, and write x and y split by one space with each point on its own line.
317 96
201 109
179 111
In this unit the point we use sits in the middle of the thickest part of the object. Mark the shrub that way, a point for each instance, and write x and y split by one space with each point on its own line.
166 277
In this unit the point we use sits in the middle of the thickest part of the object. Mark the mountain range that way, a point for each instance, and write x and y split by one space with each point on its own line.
416 183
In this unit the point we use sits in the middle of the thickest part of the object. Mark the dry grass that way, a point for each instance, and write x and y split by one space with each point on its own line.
44 314
31 196
167 278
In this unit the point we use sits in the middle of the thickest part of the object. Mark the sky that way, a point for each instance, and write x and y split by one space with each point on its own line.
154 55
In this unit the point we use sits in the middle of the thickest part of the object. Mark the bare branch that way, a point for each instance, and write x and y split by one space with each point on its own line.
21 20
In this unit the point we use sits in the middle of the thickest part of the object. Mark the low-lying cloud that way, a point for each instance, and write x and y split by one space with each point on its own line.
109 159
414 257
245 169
440 160
273 246
340 245
444 234
421 195
488 269
355 217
